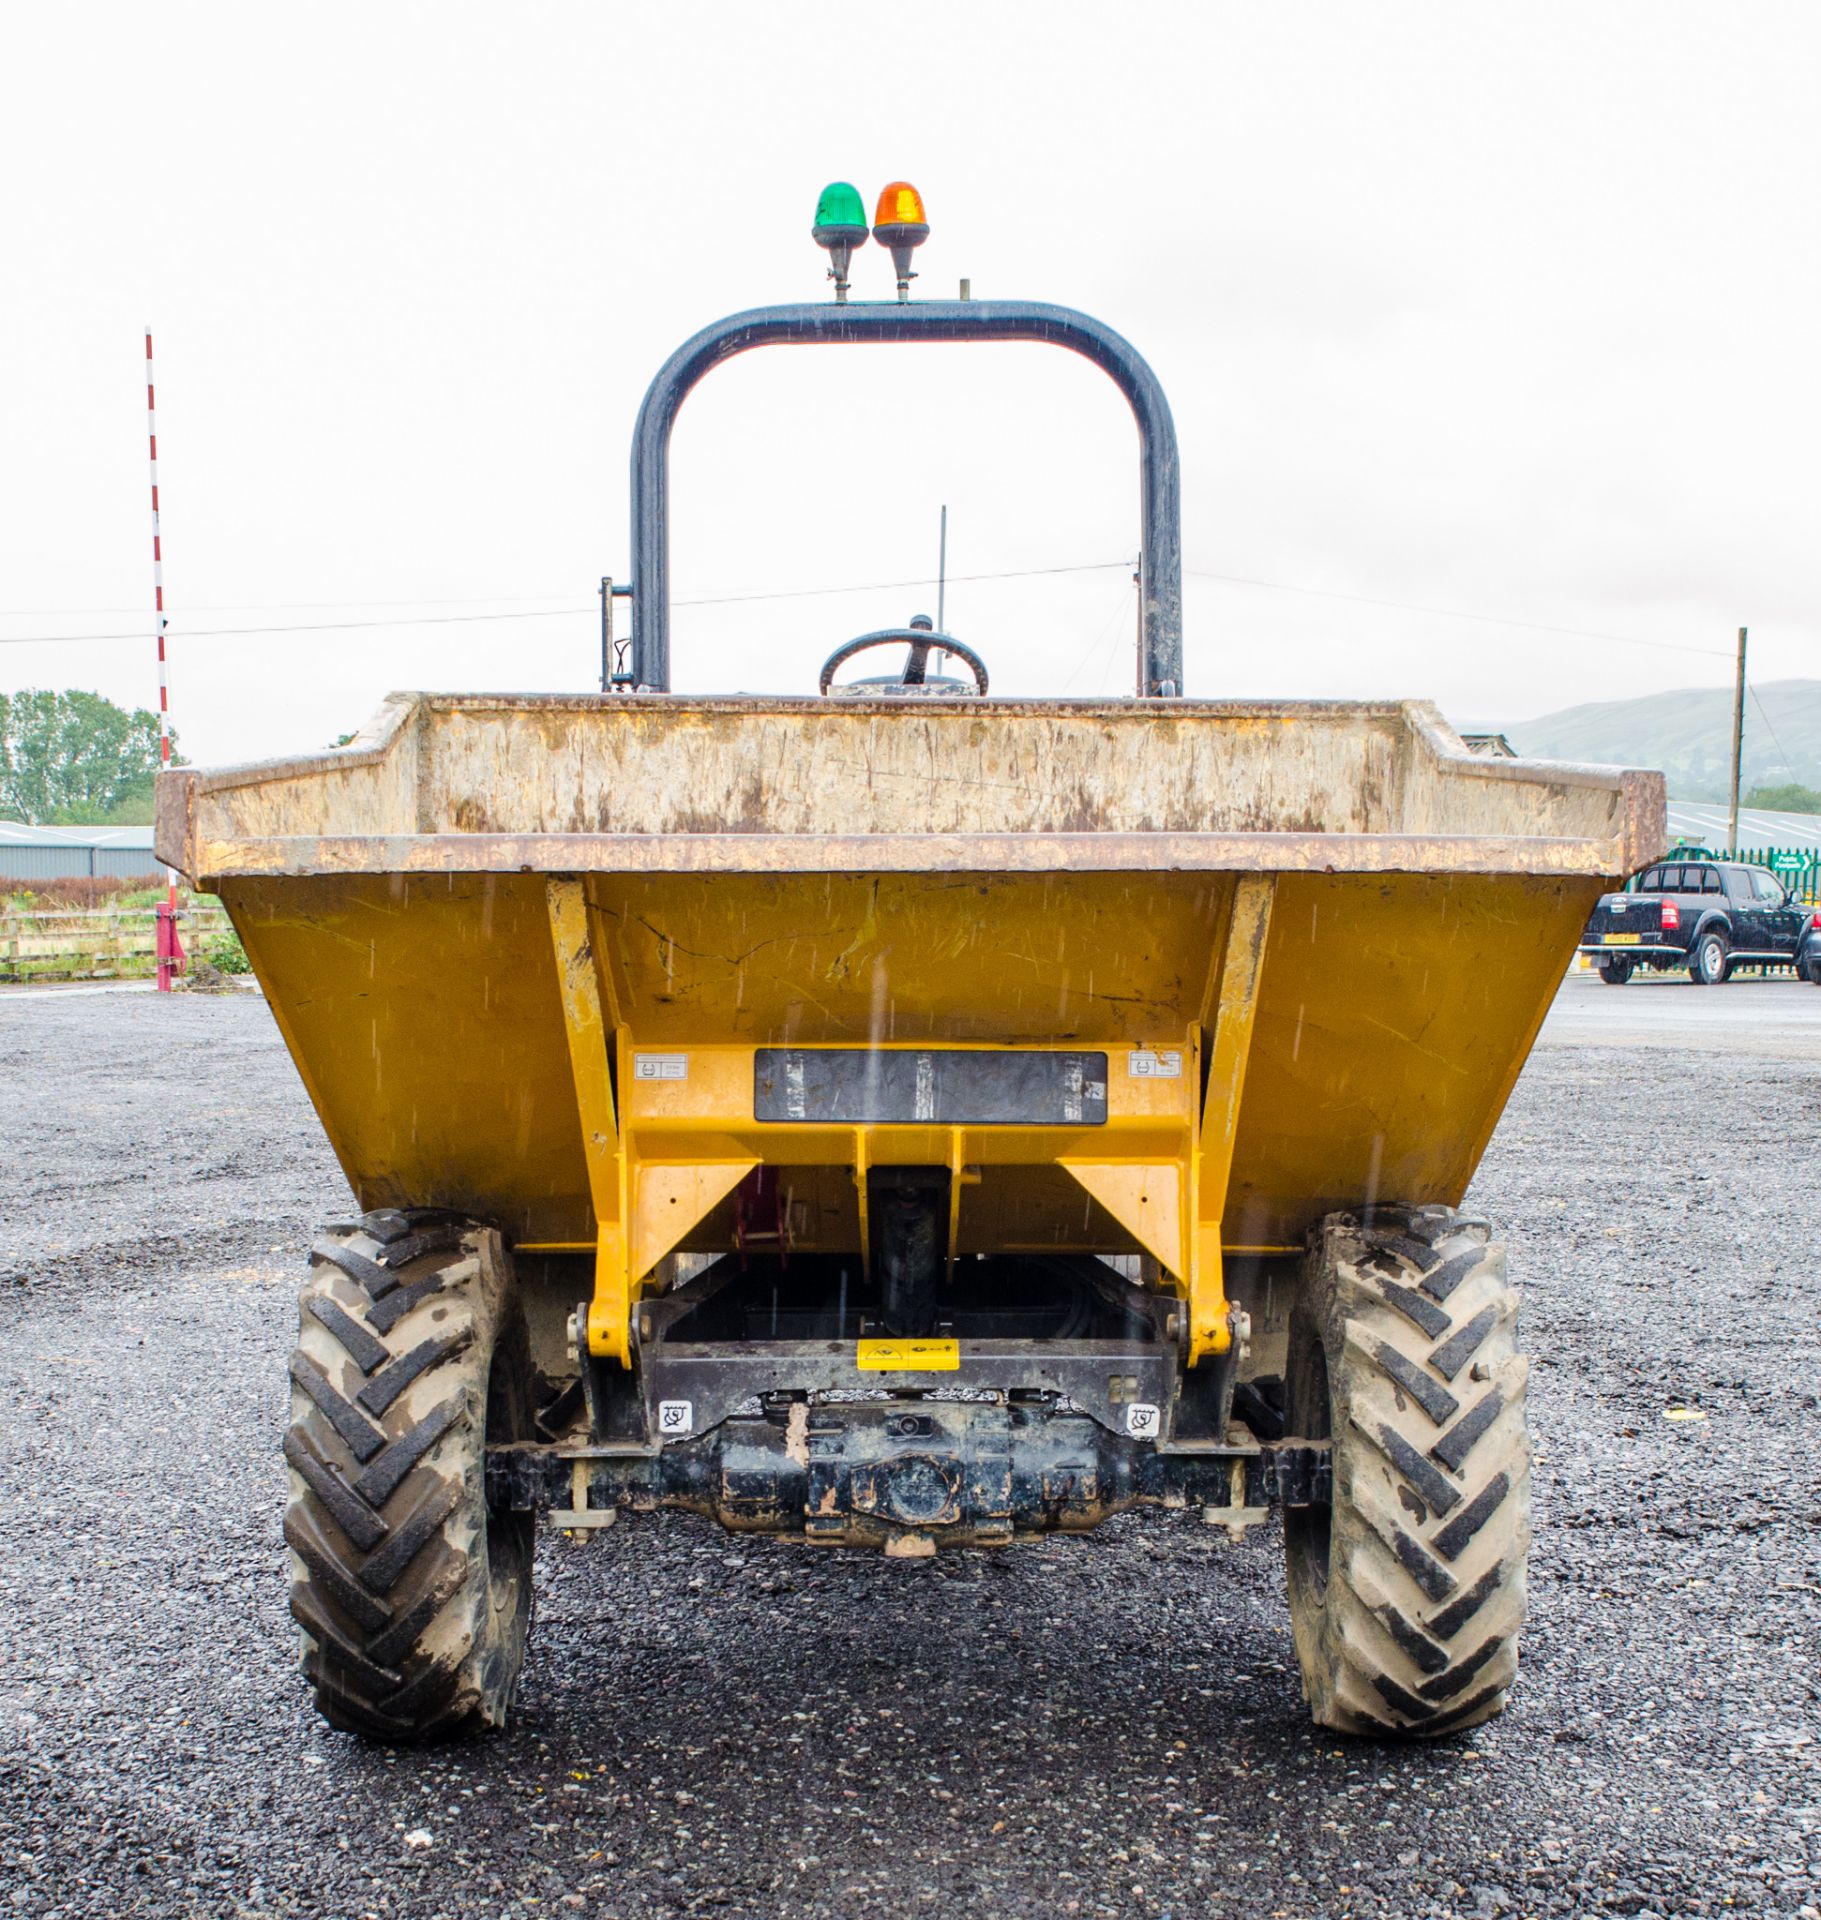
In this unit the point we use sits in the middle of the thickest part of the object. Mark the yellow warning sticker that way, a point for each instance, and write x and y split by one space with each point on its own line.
908 1356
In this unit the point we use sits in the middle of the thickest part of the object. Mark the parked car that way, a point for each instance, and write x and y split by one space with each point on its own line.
1808 956
1708 916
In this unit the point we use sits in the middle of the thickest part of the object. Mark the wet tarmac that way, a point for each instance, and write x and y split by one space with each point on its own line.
1110 1725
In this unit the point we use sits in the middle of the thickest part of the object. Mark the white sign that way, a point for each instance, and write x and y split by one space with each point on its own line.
1141 1420
675 1418
1147 1064
660 1066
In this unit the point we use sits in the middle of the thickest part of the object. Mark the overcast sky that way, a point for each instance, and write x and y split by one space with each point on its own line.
1499 310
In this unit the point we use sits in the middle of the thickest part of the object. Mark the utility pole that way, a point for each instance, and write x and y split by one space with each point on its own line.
1738 747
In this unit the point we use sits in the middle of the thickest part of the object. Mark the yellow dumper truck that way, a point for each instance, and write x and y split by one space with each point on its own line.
908 1118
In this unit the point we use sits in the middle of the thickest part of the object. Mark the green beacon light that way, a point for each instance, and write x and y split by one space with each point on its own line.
840 227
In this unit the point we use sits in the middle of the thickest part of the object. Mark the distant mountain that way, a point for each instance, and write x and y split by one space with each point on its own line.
1689 735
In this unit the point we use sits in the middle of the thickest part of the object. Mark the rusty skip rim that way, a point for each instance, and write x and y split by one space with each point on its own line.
1640 836
985 854
398 711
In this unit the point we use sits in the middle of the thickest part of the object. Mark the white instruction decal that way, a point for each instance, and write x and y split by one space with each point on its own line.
924 1098
796 1087
1141 1420
676 1417
1146 1064
660 1066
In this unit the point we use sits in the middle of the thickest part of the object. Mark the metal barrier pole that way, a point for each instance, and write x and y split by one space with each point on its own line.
170 953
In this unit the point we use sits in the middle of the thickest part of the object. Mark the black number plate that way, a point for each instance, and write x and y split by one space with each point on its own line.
944 1086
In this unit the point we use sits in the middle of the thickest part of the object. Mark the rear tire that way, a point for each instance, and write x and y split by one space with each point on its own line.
1710 964
1407 1592
1616 972
412 1595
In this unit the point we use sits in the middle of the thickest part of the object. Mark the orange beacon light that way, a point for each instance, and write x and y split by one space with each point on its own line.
900 224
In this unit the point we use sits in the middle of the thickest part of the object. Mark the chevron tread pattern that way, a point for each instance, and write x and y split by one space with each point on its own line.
1415 1633
387 1523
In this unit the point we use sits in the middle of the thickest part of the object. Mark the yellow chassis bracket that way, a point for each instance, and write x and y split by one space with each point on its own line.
585 1023
1145 1197
641 1210
658 1163
1179 1222
1234 1011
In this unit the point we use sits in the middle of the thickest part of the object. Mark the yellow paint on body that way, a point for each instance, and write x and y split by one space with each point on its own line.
1145 1198
470 1041
673 1199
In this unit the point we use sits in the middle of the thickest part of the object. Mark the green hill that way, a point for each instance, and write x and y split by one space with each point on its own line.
1689 735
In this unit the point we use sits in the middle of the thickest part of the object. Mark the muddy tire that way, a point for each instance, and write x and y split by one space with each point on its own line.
413 1598
1407 1592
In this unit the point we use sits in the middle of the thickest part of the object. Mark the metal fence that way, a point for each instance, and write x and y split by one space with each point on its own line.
1799 868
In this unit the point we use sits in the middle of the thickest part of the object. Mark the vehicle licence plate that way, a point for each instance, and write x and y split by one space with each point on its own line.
1621 939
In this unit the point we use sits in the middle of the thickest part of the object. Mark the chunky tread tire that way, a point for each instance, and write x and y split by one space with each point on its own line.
413 1599
1407 1595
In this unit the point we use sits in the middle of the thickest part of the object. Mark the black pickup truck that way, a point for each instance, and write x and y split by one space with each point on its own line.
1708 916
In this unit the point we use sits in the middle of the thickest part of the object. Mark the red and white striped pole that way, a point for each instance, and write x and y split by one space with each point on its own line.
169 947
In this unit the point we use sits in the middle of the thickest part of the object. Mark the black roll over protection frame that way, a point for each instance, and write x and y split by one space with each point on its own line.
1160 653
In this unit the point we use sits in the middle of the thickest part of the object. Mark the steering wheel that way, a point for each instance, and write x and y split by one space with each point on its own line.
921 641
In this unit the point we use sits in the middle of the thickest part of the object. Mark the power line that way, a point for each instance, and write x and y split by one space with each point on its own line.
1456 613
293 606
1768 728
816 593
883 586
497 599
1100 639
548 613
319 626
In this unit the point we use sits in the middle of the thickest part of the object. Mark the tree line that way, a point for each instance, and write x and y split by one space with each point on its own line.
76 759
1791 797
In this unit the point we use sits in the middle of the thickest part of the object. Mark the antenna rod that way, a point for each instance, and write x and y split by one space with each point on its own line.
942 575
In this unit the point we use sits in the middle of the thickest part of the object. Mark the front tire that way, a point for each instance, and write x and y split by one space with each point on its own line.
1710 964
413 1596
1407 1591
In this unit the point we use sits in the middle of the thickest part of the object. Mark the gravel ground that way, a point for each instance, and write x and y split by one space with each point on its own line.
1098 1726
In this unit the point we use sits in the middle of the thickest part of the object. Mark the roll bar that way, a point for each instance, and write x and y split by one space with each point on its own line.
1160 659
